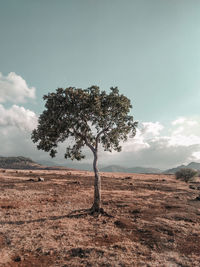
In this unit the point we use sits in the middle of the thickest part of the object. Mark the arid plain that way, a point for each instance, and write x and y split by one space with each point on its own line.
151 220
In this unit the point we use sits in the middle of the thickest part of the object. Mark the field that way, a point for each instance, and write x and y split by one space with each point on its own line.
153 220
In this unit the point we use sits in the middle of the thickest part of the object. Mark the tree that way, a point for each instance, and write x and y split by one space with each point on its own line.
186 174
91 117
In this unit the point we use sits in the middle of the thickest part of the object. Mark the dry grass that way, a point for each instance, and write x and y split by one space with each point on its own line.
155 220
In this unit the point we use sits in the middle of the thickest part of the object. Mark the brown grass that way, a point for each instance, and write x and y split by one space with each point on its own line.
155 220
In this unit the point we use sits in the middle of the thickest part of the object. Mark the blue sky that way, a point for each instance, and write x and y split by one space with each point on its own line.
150 49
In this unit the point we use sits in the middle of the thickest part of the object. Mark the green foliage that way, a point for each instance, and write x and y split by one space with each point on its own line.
90 116
186 174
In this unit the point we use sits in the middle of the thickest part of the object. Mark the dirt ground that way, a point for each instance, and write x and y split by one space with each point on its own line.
155 220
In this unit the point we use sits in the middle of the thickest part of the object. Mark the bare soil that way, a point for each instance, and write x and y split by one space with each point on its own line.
154 220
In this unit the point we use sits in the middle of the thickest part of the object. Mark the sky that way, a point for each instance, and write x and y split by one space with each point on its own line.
150 49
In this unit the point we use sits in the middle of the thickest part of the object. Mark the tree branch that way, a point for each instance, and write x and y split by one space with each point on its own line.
90 146
98 136
85 139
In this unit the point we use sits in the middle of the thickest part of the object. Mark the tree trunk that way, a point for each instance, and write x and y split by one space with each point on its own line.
97 186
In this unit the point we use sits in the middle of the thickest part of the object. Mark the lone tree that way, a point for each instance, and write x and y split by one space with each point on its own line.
90 117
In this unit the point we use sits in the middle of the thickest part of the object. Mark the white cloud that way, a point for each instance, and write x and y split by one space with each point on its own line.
179 121
186 127
153 128
14 88
150 147
192 122
17 122
178 143
195 156
135 144
19 117
16 142
178 131
184 121
184 140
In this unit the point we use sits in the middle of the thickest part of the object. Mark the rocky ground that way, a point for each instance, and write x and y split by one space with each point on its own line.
154 220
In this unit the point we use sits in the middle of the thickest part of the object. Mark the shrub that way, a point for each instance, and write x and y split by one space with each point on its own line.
186 174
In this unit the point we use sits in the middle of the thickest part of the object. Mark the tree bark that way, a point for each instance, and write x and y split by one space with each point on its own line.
97 185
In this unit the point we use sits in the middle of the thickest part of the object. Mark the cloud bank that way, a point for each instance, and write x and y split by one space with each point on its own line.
161 147
19 117
155 145
16 122
13 88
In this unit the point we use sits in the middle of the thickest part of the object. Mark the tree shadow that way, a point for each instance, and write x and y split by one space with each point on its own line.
74 214
91 212
79 213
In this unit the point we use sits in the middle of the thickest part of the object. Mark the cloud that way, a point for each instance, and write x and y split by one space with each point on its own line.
178 143
153 128
184 121
185 132
16 125
13 88
17 142
195 156
178 121
155 145
16 122
183 140
137 143
19 117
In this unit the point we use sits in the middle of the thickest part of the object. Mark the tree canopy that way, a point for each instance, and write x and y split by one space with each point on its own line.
89 115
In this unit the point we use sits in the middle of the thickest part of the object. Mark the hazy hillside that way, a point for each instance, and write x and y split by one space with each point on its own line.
116 168
18 163
27 163
192 165
113 168
144 170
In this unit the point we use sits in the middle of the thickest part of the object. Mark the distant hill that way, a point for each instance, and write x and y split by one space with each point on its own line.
144 170
191 165
27 163
18 163
117 168
113 168
47 163
194 165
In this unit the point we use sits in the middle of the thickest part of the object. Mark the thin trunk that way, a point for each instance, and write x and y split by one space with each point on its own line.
97 185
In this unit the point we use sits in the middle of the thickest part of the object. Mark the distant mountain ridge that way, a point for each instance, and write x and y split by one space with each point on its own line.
117 168
18 163
21 162
191 165
25 163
